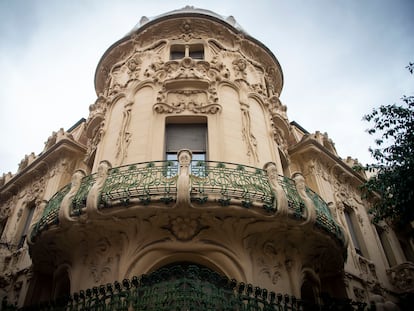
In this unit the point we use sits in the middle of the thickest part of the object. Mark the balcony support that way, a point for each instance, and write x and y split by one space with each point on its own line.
280 204
65 207
183 181
92 200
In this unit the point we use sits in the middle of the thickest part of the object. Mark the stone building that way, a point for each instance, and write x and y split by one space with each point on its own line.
188 187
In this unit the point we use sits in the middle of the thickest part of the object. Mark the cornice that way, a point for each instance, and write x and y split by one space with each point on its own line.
128 44
40 166
308 145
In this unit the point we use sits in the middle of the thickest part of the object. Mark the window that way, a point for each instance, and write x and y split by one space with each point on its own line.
192 136
355 232
179 51
386 246
407 250
26 223
3 223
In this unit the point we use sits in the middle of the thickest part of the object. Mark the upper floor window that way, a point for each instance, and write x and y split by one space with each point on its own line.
179 51
355 232
192 136
386 245
27 219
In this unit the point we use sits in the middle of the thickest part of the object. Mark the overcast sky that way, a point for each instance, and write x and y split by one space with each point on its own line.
340 58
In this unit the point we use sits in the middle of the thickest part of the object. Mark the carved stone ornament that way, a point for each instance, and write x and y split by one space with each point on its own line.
98 258
184 228
188 100
281 203
359 294
184 182
35 190
66 205
309 205
124 137
402 276
270 264
92 200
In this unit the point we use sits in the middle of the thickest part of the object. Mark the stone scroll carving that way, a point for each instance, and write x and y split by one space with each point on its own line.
190 100
281 203
65 207
92 200
124 137
310 207
248 136
183 181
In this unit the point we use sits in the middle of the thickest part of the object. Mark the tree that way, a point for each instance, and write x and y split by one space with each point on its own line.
392 184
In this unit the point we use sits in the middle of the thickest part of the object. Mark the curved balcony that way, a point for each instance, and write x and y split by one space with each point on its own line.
186 287
210 183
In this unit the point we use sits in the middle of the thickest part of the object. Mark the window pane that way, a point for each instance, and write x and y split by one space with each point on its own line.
186 136
197 54
177 55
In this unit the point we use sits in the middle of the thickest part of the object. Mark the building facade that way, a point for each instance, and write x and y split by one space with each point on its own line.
187 187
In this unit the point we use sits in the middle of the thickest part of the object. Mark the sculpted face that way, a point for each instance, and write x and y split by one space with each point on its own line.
271 171
184 158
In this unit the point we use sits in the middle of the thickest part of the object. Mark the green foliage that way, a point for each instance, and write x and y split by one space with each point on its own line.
393 171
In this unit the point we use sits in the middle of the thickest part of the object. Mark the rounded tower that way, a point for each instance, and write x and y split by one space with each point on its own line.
188 178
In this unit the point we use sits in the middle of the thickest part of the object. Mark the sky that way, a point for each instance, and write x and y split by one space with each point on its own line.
340 59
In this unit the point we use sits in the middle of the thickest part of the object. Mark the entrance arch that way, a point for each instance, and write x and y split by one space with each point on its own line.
185 286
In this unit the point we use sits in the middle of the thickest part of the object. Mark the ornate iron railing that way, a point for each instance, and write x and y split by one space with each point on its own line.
51 211
230 181
324 218
223 183
143 181
186 287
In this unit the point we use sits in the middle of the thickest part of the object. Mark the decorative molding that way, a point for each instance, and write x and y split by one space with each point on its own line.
66 205
98 258
188 100
184 182
248 137
402 277
124 137
93 197
185 228
309 205
280 203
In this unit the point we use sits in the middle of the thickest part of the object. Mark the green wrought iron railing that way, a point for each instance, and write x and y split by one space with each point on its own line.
217 182
229 181
185 287
144 181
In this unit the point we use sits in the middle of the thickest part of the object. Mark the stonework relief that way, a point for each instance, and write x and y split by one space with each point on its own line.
280 265
271 262
196 101
309 205
248 137
92 200
281 203
183 182
185 228
279 138
7 208
124 137
99 259
129 68
66 205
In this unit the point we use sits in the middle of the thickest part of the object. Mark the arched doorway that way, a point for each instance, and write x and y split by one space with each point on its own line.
184 286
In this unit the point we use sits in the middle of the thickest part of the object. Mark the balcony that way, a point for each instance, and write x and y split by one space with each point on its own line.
186 287
206 184
402 277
